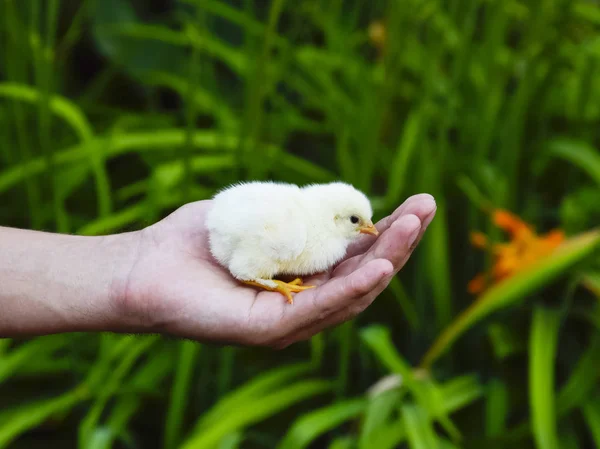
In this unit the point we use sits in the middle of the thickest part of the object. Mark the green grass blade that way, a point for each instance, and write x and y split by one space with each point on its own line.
591 414
205 100
180 393
579 153
4 344
419 432
405 302
427 394
257 93
147 378
460 392
251 391
157 140
388 436
401 164
110 387
11 362
309 170
16 422
496 408
514 289
542 353
231 441
60 106
438 269
76 119
116 221
342 443
379 340
255 410
312 425
377 413
583 379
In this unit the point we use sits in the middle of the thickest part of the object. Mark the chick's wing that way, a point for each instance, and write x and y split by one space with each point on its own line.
263 219
283 235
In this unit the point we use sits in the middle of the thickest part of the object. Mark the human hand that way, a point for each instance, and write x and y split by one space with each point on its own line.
175 286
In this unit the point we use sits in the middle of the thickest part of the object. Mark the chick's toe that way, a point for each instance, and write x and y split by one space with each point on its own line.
285 288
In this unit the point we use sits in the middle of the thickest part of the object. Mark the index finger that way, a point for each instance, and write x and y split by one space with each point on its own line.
315 306
420 205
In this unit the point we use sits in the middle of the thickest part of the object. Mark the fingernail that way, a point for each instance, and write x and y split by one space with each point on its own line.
413 237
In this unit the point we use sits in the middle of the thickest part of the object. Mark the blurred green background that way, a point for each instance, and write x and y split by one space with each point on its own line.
113 113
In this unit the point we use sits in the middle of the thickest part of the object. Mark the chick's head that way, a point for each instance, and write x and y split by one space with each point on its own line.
349 209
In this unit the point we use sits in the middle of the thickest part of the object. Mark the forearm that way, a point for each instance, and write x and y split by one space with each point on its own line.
52 283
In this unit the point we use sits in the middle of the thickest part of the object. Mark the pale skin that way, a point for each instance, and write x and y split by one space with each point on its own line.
162 279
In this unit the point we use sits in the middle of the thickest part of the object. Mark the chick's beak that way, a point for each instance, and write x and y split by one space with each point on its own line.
368 228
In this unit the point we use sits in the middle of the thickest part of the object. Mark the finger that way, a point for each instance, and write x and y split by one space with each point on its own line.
345 314
395 245
421 205
314 306
342 290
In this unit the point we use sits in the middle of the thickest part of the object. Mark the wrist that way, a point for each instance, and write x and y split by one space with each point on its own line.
63 283
122 252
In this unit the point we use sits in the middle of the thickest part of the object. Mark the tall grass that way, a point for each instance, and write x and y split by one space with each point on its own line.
115 112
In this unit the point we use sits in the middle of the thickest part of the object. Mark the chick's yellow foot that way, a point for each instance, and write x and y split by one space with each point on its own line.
285 288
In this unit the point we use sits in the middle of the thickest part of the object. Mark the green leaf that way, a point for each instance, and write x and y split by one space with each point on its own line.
377 414
379 340
496 408
4 345
591 414
542 353
591 281
170 175
156 140
72 115
231 441
515 288
111 385
342 443
388 436
309 170
205 100
60 106
13 360
15 422
578 153
312 425
582 380
418 428
251 391
460 392
428 395
255 410
406 303
505 341
399 170
147 378
437 248
115 26
579 209
180 393
116 221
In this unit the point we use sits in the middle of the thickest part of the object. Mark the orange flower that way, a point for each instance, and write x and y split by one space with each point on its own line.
524 248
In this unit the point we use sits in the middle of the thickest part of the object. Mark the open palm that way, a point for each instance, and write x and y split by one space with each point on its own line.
176 287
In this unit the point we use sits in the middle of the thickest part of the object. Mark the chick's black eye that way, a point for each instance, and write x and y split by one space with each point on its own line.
354 219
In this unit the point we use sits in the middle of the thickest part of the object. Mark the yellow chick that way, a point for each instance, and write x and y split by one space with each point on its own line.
260 230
